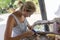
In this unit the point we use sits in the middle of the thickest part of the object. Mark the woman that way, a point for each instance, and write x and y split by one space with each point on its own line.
18 24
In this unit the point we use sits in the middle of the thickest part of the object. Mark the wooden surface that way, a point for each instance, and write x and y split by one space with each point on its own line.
48 33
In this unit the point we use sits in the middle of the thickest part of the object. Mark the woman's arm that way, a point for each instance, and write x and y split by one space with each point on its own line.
9 26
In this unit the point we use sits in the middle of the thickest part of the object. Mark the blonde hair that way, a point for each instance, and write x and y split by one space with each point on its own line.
29 6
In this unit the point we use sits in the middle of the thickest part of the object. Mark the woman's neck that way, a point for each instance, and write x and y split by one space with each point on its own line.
22 19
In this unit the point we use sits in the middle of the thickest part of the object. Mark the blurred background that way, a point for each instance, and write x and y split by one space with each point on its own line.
7 7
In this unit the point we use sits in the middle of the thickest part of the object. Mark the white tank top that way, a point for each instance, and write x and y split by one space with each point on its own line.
19 28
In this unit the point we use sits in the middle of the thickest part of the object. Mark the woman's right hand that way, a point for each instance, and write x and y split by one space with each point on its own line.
27 34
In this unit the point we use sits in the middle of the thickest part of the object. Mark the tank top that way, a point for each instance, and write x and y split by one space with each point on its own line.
20 27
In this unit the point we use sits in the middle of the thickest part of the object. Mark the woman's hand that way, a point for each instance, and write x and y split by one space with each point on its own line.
26 34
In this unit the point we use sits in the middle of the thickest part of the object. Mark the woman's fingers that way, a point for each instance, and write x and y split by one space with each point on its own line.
30 33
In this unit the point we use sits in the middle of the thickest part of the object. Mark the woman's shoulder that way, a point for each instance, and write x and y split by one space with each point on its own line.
11 19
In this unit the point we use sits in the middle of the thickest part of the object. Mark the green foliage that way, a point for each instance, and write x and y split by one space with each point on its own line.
23 1
4 3
10 3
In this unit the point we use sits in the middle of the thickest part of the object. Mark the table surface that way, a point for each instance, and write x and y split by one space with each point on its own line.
47 33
